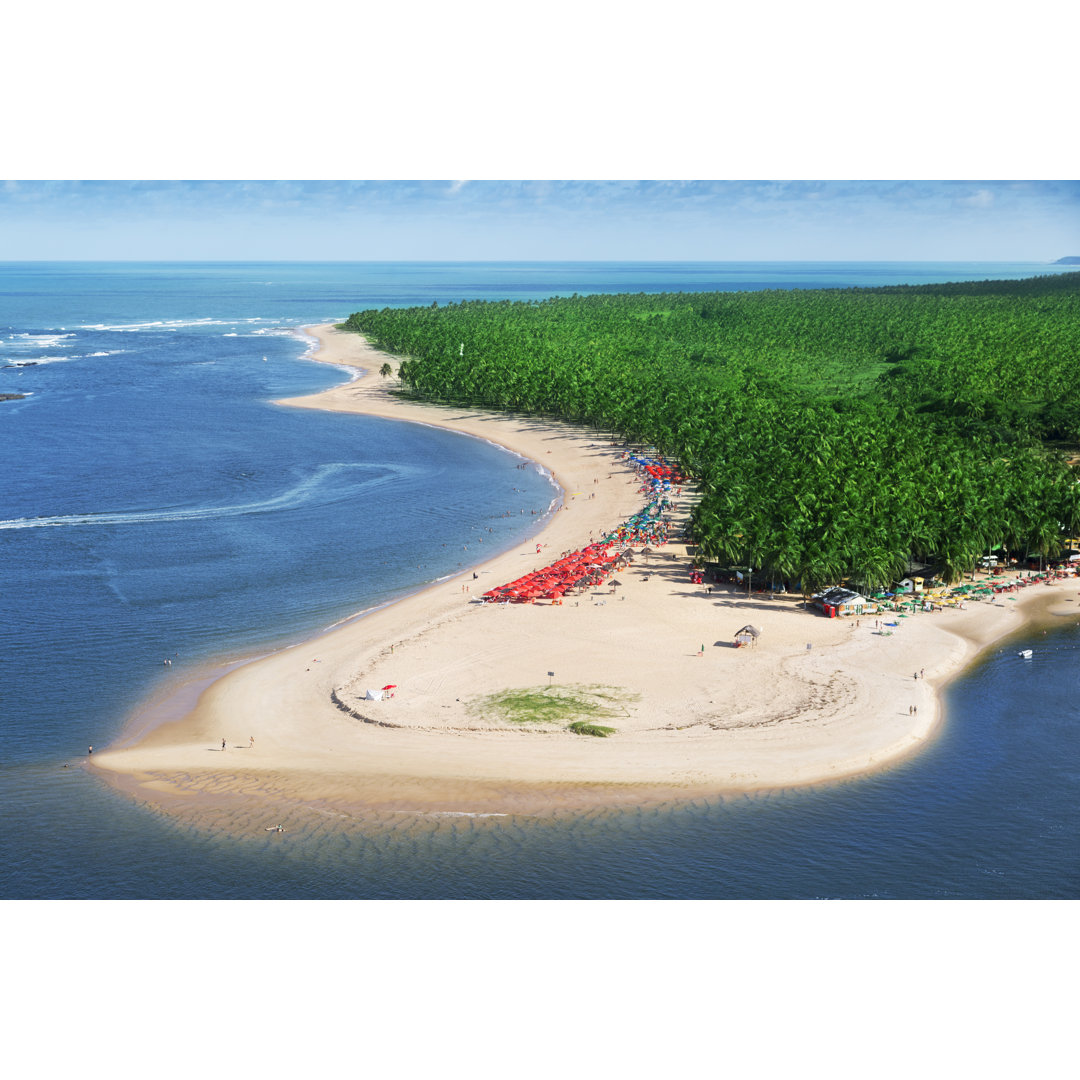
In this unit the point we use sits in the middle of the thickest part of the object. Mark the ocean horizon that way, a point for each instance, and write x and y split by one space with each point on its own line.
162 516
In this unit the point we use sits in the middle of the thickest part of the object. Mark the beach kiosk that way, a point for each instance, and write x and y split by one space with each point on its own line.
840 601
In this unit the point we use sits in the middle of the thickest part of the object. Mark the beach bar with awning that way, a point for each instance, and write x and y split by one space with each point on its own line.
841 601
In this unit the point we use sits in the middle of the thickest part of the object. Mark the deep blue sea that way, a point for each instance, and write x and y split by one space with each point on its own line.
155 503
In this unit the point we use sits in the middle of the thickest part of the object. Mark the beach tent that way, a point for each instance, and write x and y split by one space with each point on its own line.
373 695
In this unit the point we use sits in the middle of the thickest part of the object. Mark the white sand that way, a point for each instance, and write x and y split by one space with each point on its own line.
687 724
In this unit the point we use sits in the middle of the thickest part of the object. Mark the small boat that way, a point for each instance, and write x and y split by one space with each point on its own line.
1025 653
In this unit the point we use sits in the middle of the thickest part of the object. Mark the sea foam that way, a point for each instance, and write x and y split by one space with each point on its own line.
37 341
300 494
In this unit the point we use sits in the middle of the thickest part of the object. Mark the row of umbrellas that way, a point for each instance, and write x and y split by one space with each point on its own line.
991 585
594 564
587 567
658 470
656 474
645 527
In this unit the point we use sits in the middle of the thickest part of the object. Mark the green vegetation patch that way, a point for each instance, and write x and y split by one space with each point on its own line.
572 703
831 433
581 727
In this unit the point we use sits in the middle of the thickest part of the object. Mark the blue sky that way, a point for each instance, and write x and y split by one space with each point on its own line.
453 219
479 87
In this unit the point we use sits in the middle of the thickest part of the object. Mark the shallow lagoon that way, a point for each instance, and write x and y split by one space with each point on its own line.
157 505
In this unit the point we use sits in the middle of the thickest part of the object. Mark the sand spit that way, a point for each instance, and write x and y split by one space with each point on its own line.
816 699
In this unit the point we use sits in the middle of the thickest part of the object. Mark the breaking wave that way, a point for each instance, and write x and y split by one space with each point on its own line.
305 492
173 324
37 341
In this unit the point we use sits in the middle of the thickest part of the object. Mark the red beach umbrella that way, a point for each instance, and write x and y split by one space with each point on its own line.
390 686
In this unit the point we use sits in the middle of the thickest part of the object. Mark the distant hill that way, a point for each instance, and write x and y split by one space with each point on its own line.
1069 260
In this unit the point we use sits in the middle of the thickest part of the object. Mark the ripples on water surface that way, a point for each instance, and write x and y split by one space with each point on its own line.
988 811
155 504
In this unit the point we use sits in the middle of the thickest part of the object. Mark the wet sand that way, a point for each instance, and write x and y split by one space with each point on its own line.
815 699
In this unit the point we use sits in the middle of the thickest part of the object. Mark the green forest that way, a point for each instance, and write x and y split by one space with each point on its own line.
835 434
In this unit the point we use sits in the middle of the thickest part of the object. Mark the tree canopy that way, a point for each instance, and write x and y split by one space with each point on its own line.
834 433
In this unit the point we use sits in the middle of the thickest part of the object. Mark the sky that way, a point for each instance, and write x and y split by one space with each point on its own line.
992 220
587 132
136 131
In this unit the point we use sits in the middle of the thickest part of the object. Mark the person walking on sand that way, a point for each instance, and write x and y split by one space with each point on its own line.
222 744
251 740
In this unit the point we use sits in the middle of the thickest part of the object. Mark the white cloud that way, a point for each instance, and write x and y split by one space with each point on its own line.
981 199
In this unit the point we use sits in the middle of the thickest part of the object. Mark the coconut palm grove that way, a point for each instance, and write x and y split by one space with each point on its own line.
833 434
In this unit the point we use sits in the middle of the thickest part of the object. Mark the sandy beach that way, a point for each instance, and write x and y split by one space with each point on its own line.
815 699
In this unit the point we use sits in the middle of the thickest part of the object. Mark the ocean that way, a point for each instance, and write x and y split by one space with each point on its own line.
157 505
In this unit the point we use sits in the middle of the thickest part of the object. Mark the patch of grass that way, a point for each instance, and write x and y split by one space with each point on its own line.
553 704
582 727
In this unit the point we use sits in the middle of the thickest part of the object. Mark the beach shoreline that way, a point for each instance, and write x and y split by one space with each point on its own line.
815 700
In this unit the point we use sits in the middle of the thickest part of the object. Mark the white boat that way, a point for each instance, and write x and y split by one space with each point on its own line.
1025 653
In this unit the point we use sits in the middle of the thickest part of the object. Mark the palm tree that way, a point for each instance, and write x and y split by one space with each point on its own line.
742 388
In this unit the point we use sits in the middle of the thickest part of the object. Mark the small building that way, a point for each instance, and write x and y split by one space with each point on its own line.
910 584
841 602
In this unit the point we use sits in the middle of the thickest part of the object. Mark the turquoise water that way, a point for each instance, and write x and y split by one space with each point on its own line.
156 504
